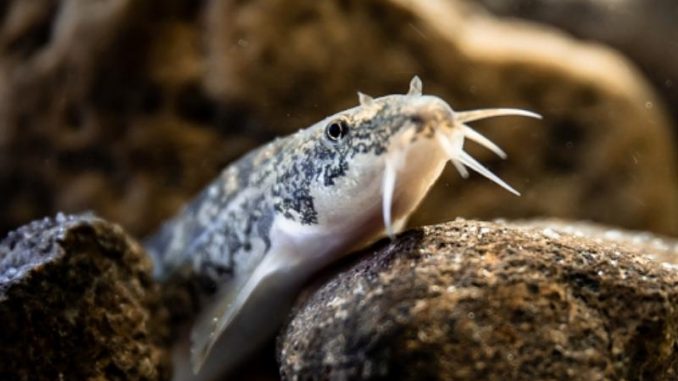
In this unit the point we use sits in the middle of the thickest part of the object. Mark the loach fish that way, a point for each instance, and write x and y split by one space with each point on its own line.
292 206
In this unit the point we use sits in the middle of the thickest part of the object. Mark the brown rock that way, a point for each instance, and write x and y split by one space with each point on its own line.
101 108
129 108
637 28
472 300
77 302
657 247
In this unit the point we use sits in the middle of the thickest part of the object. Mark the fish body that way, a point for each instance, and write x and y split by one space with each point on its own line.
291 207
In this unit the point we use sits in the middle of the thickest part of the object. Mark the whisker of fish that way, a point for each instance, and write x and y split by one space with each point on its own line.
452 144
460 168
472 115
393 162
451 151
387 189
482 140
472 163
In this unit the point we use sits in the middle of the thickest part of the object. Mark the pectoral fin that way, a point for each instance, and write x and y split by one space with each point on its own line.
246 314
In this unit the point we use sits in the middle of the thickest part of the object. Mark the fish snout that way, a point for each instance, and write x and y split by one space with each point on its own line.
429 112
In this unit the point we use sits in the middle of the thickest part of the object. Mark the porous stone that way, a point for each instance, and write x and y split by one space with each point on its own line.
473 300
77 302
660 248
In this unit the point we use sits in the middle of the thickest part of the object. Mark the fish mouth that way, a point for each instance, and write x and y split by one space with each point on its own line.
449 130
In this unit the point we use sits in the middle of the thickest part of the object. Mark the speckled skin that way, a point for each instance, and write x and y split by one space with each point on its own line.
229 222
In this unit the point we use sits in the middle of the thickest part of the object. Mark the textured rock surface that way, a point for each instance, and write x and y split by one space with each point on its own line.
141 103
77 302
659 248
483 301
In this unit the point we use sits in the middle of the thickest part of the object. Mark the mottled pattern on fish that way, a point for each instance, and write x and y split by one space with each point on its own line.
273 218
220 227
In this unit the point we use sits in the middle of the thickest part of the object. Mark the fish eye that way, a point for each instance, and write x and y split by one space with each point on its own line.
336 130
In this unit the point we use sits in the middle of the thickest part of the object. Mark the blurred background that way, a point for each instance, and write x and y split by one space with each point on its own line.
128 108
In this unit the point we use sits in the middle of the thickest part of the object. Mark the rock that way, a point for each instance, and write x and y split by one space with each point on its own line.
77 302
659 248
473 300
124 127
142 103
637 28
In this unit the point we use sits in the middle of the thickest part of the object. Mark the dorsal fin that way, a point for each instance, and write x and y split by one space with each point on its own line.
365 100
415 86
